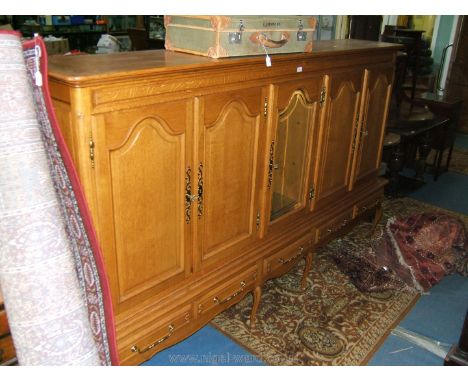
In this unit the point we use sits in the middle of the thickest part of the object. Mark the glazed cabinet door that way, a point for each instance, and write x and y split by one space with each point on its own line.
293 148
338 135
230 152
376 95
143 163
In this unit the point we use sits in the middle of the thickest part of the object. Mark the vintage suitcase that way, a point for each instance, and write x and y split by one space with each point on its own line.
227 36
58 46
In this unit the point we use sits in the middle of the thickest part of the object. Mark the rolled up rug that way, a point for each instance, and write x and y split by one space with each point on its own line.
51 269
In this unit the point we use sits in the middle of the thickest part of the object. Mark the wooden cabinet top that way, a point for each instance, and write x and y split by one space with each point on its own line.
83 70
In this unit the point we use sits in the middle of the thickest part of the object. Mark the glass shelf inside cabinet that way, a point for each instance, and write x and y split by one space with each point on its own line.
290 159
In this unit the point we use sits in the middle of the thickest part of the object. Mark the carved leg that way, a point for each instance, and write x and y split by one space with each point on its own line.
423 148
307 268
395 165
257 294
377 217
439 162
447 164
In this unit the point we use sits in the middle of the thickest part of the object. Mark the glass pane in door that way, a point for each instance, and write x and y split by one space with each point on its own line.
290 161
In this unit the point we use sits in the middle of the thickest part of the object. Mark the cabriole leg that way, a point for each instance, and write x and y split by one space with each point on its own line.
307 268
377 217
257 294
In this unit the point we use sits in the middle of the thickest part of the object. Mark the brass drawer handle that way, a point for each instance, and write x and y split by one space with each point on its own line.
216 300
135 348
299 253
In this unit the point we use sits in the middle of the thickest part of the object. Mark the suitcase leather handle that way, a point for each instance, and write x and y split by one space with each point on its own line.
262 39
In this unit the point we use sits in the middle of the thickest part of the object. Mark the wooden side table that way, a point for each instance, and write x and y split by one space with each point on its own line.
443 138
420 138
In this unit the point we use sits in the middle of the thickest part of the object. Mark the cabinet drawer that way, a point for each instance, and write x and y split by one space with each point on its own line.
4 329
7 350
229 292
366 204
332 226
158 337
287 256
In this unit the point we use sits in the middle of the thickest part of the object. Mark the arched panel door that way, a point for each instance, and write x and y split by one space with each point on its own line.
229 163
338 136
294 147
377 93
142 170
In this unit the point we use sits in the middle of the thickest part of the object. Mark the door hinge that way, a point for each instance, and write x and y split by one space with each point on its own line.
323 95
356 128
271 164
91 148
258 220
311 192
265 107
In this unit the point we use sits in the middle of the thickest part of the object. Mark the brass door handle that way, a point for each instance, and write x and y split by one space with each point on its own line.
271 165
191 198
135 348
188 194
199 197
216 300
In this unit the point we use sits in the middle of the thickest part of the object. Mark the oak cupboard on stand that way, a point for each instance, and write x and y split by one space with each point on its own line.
207 177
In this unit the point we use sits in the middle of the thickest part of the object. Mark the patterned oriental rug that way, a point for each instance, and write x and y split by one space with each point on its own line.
331 322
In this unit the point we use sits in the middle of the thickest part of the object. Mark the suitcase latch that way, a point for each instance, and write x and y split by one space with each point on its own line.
236 37
301 34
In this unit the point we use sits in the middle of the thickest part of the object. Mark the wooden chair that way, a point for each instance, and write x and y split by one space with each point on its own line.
443 138
141 41
139 38
411 40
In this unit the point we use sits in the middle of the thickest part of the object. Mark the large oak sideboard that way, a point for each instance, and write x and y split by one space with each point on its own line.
205 177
